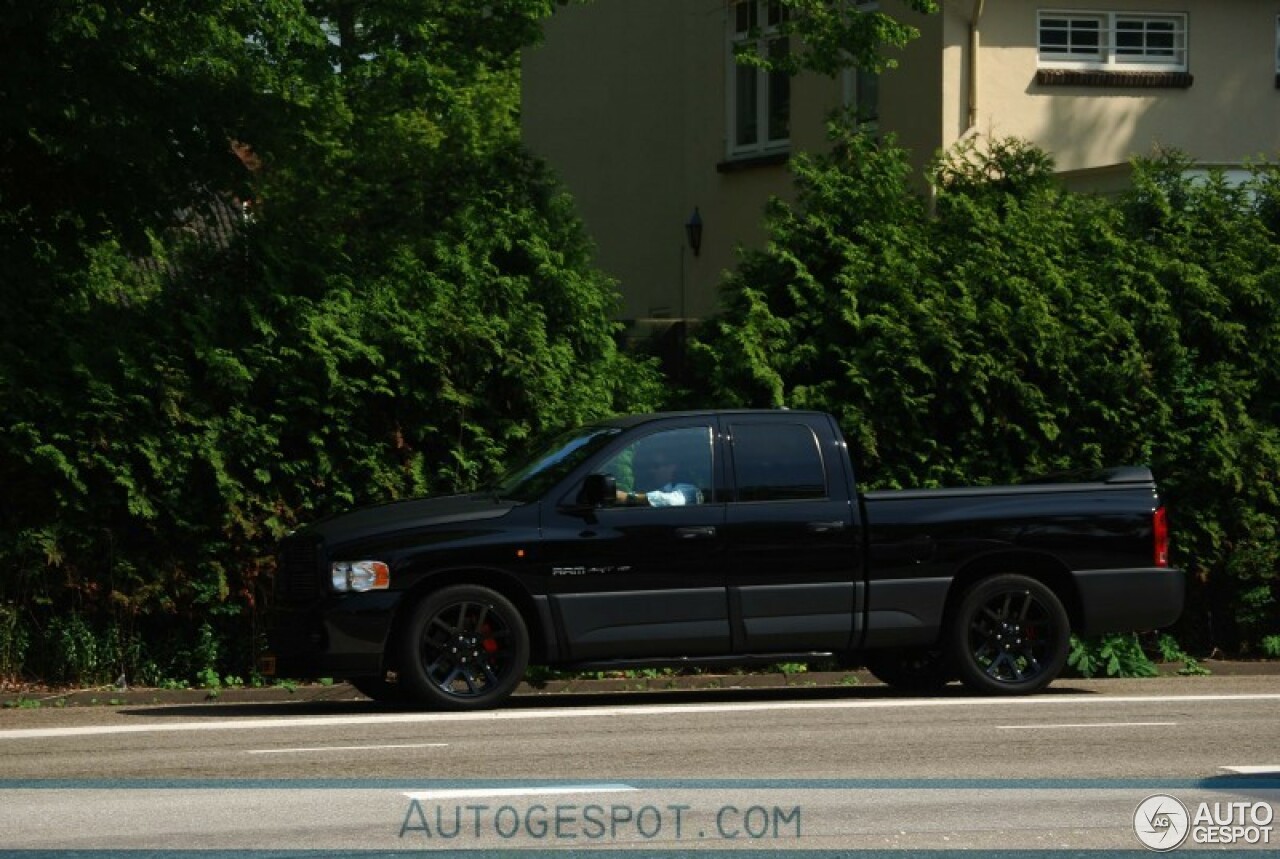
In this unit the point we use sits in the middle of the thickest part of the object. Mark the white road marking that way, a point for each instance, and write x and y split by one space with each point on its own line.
1086 725
532 790
233 724
1266 769
344 748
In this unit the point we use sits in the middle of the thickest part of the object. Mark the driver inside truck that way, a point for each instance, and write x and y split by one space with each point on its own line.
663 469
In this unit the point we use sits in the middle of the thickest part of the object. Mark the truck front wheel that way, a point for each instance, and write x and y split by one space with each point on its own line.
1010 636
464 647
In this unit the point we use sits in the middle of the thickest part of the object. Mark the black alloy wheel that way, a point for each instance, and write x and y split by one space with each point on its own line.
1010 635
464 648
919 670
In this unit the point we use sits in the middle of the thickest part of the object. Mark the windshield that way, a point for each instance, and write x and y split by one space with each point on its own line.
553 462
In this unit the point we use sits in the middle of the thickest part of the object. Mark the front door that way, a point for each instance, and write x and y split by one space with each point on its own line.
644 577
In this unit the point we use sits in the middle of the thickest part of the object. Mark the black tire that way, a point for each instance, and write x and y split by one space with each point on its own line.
1009 636
378 689
463 648
917 670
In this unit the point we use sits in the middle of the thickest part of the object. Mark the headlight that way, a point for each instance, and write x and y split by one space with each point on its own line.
360 576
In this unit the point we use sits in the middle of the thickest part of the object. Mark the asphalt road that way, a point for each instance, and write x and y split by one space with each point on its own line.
834 768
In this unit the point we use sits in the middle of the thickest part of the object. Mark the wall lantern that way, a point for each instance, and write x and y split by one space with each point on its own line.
693 230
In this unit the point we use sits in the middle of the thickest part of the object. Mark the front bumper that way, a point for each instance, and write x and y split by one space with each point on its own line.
340 636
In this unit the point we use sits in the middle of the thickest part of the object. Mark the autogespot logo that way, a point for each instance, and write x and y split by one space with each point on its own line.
1161 822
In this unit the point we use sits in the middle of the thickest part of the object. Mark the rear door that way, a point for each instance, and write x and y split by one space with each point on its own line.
793 569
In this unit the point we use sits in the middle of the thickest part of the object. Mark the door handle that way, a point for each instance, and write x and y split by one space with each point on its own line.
826 527
696 532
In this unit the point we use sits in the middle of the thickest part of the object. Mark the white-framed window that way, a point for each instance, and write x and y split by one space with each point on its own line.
862 86
862 98
759 100
1112 41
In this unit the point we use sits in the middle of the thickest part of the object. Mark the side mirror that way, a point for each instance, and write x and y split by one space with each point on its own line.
598 490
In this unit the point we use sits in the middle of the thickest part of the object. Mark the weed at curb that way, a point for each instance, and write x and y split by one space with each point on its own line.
22 703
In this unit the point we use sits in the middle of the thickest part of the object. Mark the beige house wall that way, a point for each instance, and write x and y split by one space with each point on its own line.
923 97
628 101
1231 112
615 137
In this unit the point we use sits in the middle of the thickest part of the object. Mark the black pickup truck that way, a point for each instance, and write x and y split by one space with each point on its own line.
718 537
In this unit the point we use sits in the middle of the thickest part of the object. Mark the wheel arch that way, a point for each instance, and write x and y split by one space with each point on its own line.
1043 567
496 580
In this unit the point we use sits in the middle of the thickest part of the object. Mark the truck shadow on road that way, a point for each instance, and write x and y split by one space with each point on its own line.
343 701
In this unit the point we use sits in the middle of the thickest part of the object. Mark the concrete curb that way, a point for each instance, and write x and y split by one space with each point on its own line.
318 692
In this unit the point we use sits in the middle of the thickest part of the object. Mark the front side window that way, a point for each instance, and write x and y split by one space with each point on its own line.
759 100
1119 41
672 468
777 462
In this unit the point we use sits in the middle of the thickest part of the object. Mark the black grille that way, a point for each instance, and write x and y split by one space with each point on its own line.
300 576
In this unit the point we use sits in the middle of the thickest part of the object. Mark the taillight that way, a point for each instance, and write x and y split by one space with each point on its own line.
1160 528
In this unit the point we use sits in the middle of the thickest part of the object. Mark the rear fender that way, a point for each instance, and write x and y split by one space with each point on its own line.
1041 566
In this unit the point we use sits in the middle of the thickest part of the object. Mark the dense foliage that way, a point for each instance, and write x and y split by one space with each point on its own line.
834 35
1010 328
264 259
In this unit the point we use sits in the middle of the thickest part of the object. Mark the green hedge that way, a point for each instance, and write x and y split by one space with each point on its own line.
262 262
1007 327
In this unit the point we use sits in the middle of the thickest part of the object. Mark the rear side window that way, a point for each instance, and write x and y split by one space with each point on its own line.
777 462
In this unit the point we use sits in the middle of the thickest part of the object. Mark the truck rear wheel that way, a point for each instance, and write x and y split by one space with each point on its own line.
464 647
1010 636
